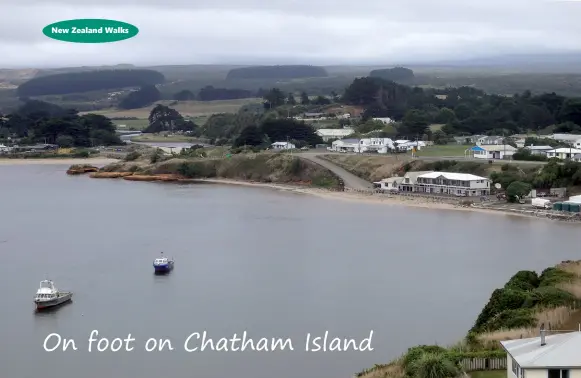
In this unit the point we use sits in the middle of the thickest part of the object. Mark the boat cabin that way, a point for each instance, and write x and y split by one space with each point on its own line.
46 291
161 261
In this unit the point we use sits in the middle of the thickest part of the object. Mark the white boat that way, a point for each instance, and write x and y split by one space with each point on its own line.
163 264
48 295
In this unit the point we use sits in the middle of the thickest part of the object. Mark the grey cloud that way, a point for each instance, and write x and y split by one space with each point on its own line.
318 32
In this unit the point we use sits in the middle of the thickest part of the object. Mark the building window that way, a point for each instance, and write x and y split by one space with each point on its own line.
515 368
558 373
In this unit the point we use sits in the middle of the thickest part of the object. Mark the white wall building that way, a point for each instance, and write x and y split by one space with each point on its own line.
282 146
328 134
385 120
489 140
390 184
539 150
345 145
552 356
459 184
566 138
409 145
491 152
379 145
563 153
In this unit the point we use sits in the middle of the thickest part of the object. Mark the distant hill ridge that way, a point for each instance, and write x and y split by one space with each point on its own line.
276 72
77 82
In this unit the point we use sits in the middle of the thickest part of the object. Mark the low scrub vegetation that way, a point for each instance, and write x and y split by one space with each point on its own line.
262 167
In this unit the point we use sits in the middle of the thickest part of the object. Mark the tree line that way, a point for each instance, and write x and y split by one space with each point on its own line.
76 82
41 122
464 110
209 93
276 72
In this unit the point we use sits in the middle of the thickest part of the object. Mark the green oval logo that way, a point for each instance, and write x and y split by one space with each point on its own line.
90 31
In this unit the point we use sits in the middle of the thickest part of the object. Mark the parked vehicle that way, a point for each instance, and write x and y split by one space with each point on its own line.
541 203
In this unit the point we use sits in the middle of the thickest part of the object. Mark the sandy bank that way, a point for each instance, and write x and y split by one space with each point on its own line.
375 199
92 161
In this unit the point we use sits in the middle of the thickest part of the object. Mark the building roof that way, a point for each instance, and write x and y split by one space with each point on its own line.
414 175
395 179
282 144
453 176
539 147
570 137
313 114
494 148
335 132
352 141
560 351
566 150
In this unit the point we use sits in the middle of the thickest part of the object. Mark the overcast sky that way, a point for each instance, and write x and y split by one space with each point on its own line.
291 31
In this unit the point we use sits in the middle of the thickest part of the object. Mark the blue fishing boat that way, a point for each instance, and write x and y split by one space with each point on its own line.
163 264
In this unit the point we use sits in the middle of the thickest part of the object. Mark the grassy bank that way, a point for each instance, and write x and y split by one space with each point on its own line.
368 167
258 167
514 311
164 138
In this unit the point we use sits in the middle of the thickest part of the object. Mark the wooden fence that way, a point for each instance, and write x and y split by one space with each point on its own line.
474 364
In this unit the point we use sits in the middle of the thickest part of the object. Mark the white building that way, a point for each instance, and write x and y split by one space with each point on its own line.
390 184
379 145
552 356
459 184
408 183
282 146
539 150
409 145
566 138
3 148
345 145
328 134
489 140
385 120
491 152
563 153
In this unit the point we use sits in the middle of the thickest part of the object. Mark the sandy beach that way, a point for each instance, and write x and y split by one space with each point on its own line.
361 197
93 161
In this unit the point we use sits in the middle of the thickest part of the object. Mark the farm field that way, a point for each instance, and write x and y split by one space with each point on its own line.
445 150
186 108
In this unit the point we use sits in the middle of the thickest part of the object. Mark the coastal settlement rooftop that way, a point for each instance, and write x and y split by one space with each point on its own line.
560 351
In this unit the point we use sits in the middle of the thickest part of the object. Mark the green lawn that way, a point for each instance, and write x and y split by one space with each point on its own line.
488 374
445 150
131 124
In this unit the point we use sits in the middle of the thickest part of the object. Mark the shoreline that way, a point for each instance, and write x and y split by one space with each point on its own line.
412 202
56 161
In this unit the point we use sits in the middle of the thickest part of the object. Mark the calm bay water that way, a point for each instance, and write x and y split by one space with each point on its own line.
274 264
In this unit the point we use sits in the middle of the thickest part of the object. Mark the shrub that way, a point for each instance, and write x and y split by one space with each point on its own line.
132 156
194 169
523 280
82 154
435 365
553 276
502 300
508 319
415 353
548 296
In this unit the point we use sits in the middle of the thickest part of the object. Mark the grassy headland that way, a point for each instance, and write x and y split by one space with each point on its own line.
517 310
258 167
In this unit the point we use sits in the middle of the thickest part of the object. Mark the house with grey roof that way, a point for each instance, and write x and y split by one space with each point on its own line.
490 140
547 356
539 150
